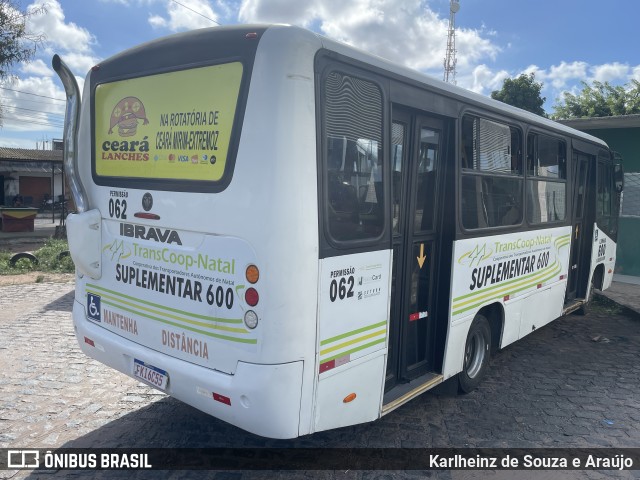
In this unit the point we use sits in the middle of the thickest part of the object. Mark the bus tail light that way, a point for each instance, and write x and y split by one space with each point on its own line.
252 273
147 215
251 319
251 297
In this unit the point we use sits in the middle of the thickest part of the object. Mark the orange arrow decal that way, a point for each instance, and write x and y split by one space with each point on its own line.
422 257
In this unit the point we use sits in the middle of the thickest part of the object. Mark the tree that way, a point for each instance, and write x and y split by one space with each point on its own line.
17 44
522 92
600 99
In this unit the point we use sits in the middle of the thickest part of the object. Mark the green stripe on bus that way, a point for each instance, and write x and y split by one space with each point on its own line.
559 243
354 350
164 307
503 290
353 332
353 341
174 317
489 290
501 295
167 322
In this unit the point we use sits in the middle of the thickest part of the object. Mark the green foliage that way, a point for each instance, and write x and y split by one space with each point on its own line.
21 266
600 99
49 260
602 305
17 44
522 92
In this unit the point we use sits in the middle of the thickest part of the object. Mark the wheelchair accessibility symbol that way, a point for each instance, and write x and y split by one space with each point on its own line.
93 307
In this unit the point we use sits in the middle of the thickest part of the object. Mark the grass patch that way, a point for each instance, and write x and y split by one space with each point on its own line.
49 260
603 305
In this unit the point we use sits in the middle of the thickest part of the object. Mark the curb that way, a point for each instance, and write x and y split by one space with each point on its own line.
628 310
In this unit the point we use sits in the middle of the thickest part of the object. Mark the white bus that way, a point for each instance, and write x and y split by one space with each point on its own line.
293 235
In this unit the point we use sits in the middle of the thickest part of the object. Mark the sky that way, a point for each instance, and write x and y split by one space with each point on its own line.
563 42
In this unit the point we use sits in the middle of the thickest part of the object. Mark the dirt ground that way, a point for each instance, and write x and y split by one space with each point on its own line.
14 246
36 277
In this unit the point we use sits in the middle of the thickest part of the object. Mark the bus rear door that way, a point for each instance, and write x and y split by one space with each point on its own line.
416 156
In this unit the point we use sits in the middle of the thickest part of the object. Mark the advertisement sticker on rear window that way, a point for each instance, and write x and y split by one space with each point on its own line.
173 125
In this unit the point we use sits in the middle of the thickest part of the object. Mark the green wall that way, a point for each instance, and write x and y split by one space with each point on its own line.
628 253
625 141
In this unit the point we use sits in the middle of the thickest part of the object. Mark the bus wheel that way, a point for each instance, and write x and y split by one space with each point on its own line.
476 355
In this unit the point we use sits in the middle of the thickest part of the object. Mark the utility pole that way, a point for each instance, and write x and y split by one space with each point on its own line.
450 57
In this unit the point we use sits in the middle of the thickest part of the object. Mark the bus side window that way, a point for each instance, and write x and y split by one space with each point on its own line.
492 177
547 179
605 198
353 161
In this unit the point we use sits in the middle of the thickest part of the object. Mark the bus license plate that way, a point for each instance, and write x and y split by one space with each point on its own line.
150 374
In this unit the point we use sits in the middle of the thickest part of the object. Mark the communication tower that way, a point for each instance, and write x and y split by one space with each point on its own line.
450 57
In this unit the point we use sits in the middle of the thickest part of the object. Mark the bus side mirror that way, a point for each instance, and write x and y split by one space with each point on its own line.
618 176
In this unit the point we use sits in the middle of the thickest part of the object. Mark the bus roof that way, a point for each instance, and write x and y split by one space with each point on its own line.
403 72
446 88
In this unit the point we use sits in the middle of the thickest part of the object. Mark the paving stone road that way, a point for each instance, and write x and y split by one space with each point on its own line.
573 383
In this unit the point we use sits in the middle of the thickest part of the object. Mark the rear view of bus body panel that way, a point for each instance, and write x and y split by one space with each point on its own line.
264 217
256 398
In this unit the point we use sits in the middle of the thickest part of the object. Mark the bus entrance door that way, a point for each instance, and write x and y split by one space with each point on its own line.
581 233
416 150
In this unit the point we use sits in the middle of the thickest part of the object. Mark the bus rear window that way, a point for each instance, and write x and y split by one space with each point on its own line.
167 127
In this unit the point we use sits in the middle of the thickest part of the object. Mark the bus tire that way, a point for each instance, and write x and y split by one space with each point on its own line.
477 351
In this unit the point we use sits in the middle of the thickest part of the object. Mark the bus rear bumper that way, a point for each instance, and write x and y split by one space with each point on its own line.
262 399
